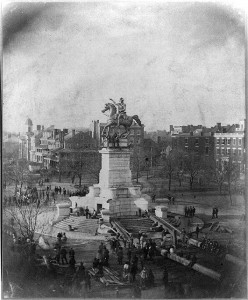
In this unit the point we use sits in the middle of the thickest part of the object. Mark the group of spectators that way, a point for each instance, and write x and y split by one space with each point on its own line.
215 213
189 211
80 192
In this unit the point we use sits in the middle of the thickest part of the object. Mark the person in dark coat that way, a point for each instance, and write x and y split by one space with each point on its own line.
58 255
63 253
150 279
120 255
129 254
95 263
87 284
72 262
133 270
193 209
105 256
197 231
71 253
100 267
213 213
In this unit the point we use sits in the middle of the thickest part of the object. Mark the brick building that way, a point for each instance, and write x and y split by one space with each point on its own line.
202 144
230 143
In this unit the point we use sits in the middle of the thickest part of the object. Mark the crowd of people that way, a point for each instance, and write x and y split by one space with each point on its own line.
189 211
44 193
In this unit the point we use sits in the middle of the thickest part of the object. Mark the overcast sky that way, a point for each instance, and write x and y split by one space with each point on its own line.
173 63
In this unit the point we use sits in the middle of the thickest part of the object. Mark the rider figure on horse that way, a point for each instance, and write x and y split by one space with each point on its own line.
121 109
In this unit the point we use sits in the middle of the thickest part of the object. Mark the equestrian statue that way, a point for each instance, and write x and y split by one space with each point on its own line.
118 117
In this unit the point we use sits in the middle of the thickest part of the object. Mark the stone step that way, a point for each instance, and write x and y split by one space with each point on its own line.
83 224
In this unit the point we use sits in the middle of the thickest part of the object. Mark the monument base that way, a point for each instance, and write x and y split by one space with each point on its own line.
115 192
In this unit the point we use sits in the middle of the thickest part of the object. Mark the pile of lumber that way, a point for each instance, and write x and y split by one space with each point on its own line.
109 278
218 227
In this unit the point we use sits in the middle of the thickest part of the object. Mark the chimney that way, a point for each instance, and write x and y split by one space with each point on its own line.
42 127
219 126
73 132
171 128
65 131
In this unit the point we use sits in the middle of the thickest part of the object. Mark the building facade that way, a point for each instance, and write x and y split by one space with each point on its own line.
202 144
231 145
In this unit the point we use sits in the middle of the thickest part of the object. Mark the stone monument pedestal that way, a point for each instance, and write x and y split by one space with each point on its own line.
115 194
161 211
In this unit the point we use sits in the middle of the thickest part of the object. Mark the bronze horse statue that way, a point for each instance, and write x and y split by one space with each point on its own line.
113 120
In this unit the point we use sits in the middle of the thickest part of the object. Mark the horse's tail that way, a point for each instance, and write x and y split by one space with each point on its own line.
136 118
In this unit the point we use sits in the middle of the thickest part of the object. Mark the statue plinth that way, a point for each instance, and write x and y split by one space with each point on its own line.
117 143
115 170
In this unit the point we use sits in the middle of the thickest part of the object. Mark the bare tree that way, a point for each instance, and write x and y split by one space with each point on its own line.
137 161
170 163
27 219
84 164
16 171
232 172
218 173
193 165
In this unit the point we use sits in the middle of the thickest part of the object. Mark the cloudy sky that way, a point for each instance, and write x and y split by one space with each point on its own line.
173 63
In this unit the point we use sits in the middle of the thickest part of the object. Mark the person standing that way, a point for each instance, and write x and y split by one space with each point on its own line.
87 212
71 253
63 253
129 254
133 270
120 255
72 263
213 213
197 231
87 283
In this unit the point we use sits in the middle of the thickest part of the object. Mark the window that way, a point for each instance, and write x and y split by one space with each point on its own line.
240 152
223 151
206 140
228 141
234 152
196 142
240 142
138 132
186 140
218 151
131 131
223 141
207 150
218 141
234 141
228 151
